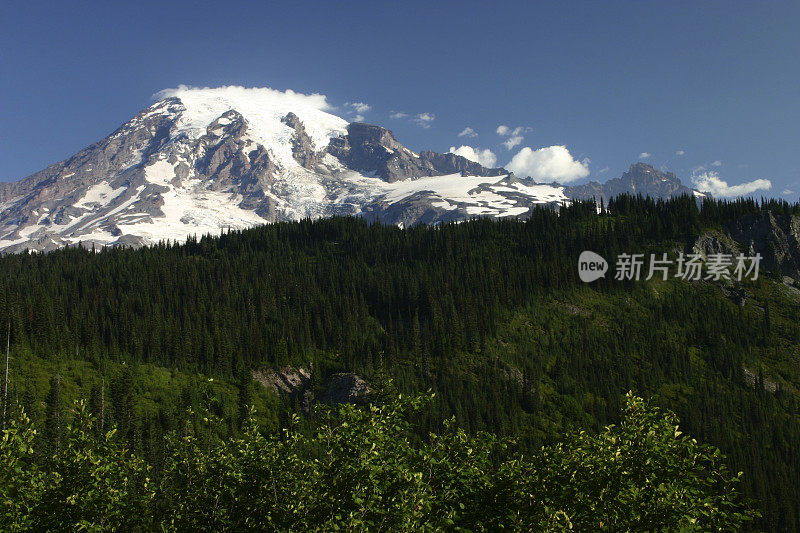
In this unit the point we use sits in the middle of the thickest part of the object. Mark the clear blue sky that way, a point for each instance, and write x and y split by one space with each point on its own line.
610 80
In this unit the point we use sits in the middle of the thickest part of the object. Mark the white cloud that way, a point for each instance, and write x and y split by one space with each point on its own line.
484 157
515 136
468 132
711 182
238 93
644 155
603 170
424 120
717 163
511 142
503 130
549 163
359 107
680 152
786 192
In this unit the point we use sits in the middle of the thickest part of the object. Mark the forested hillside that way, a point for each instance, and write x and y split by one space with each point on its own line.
488 314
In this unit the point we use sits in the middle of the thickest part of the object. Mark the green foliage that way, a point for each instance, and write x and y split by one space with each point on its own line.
640 475
21 480
94 484
364 468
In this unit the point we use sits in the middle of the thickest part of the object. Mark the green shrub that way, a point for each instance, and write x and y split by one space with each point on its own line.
365 468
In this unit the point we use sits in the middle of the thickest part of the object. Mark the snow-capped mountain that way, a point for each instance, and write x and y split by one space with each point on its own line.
203 160
200 161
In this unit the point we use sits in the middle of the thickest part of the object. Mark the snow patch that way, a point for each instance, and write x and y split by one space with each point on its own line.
160 173
263 109
101 193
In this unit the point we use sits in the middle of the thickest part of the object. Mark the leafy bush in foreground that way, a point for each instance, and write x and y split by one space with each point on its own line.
364 468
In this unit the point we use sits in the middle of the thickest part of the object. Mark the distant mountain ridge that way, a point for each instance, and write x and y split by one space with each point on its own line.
640 178
204 160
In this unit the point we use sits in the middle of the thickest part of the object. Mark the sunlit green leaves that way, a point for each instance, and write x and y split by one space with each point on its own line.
365 468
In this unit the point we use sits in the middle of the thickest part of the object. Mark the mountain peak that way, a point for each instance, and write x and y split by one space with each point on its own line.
640 178
642 168
199 161
644 176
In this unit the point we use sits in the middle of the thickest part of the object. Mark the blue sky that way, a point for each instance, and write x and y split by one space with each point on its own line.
610 81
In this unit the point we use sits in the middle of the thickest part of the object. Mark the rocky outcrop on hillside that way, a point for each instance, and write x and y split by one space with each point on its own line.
371 149
227 161
288 380
344 387
452 164
715 242
775 238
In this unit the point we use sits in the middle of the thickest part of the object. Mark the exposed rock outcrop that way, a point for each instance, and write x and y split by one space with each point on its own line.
345 388
303 148
715 242
374 150
228 161
776 239
755 379
288 380
451 164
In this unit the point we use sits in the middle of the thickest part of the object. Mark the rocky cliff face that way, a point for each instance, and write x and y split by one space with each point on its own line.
715 242
374 150
777 239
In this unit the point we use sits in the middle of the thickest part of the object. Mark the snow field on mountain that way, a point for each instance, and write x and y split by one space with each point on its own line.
263 108
189 209
454 189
